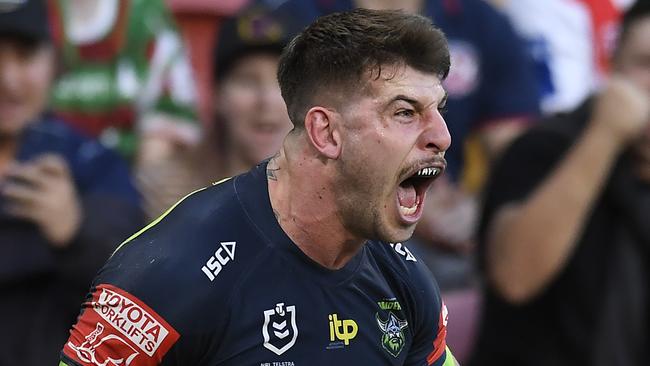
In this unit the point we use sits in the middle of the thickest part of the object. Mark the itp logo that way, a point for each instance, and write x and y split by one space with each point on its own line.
342 330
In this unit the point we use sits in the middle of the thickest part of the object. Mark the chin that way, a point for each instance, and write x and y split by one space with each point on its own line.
397 235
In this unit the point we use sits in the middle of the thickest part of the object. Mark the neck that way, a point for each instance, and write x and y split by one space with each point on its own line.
304 205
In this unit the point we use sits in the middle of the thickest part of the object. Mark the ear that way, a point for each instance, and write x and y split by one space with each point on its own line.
321 127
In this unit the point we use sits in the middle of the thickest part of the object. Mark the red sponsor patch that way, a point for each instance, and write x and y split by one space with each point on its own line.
440 343
116 328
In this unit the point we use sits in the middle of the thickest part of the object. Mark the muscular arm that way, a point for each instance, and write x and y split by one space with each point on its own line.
529 242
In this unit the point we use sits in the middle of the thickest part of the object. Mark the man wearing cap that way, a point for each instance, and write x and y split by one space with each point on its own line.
64 200
250 116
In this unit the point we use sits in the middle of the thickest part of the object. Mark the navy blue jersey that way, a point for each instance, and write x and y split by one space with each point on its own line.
216 281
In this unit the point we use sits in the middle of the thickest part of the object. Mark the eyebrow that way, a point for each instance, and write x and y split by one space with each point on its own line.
415 102
405 99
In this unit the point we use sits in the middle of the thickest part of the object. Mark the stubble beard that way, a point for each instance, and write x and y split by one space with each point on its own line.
363 206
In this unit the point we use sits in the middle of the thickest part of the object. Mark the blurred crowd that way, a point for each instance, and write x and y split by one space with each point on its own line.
538 233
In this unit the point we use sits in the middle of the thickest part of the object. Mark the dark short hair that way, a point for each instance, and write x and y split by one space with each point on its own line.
336 52
638 11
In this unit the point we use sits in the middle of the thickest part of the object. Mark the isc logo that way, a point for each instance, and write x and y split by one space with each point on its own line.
224 254
402 250
342 330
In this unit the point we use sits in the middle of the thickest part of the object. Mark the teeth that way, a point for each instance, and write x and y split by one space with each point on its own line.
428 172
408 211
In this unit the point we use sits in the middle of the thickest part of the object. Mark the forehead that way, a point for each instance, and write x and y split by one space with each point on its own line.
425 87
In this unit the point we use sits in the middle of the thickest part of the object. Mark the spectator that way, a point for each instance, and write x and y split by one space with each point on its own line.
492 91
564 235
65 201
251 118
125 76
571 43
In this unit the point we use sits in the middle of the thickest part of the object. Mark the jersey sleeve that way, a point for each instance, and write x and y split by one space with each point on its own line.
430 334
117 326
148 304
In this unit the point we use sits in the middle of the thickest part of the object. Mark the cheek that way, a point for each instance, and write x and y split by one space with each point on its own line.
38 76
278 102
369 171
236 103
640 74
377 154
237 108
240 133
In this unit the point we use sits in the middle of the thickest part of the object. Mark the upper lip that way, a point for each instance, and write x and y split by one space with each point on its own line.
437 162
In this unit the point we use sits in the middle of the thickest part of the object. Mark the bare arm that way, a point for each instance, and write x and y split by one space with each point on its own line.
530 242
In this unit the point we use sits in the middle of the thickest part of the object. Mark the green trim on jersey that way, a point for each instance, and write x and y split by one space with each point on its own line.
450 360
156 221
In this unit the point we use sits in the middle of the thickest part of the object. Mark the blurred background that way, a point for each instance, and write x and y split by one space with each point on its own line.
538 233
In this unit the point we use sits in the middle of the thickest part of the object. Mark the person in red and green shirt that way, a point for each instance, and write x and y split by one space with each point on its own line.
125 77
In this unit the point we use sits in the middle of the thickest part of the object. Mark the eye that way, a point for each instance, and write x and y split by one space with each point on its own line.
442 106
407 113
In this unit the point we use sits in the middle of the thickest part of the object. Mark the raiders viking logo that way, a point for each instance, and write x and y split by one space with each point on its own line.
393 339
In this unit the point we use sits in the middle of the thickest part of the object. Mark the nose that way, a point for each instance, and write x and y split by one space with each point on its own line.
435 137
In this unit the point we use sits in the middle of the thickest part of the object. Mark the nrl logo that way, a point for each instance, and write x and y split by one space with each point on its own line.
393 339
279 330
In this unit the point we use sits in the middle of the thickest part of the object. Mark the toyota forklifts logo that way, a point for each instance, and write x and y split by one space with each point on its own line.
118 329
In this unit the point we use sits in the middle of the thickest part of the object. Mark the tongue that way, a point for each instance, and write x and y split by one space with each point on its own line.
406 194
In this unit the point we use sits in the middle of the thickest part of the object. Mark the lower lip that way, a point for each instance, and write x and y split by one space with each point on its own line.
415 217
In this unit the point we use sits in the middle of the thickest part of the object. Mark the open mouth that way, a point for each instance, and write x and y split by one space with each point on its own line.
412 191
